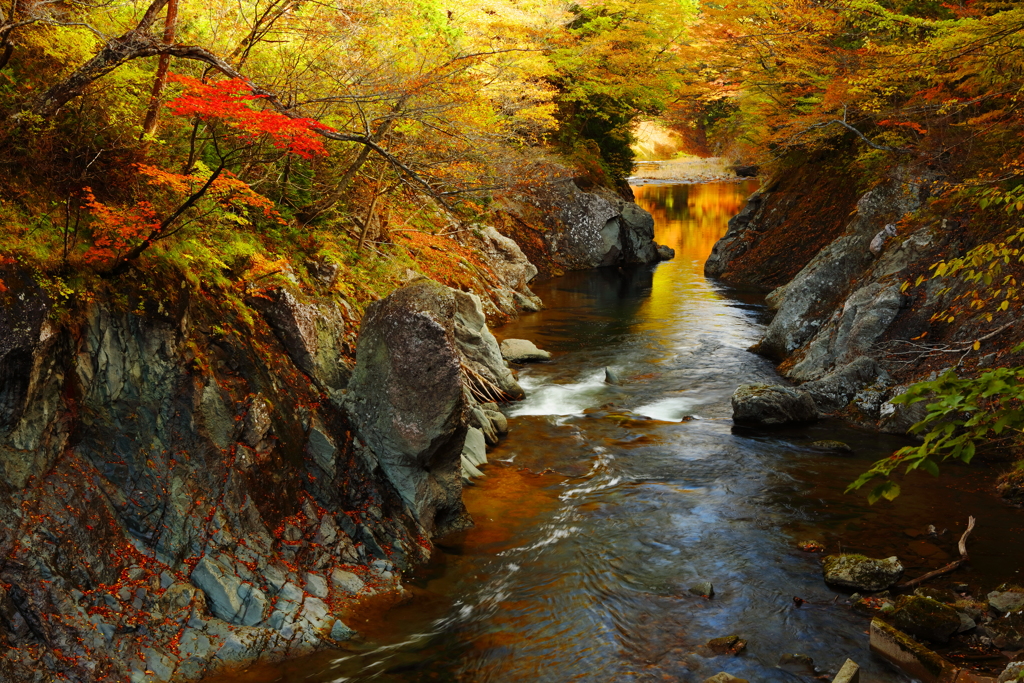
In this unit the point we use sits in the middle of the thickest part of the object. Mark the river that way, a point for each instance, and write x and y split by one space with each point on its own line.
605 504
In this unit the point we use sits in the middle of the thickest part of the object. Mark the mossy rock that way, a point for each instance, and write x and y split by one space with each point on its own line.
861 572
925 618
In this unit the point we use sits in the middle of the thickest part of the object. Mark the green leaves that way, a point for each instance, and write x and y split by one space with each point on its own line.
963 413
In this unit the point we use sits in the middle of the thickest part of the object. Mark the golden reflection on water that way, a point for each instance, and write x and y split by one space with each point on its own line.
691 218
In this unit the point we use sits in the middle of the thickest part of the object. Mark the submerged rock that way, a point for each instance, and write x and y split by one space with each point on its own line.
522 351
703 589
765 405
798 664
860 572
831 447
727 645
926 619
723 677
1006 632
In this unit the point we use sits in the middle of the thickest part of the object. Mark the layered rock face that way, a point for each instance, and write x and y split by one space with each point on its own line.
177 499
838 319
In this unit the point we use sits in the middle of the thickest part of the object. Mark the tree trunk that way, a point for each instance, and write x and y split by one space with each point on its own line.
149 125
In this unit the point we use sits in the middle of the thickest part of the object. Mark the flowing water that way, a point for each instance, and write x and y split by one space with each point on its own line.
606 503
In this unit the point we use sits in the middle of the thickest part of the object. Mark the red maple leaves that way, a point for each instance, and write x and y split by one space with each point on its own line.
230 102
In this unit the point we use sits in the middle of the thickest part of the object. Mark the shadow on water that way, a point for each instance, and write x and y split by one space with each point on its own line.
607 503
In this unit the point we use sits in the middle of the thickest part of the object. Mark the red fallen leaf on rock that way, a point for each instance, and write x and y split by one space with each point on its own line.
811 547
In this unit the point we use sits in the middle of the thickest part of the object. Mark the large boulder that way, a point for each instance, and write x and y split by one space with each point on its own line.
925 618
586 229
637 228
860 572
764 405
407 402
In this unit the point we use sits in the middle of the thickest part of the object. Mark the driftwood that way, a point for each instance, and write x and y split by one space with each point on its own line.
962 546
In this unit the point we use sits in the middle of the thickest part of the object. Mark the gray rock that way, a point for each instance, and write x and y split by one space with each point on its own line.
1006 600
611 377
321 447
475 449
1014 671
257 421
347 582
860 572
469 470
878 241
766 405
522 351
834 391
665 253
498 421
407 403
1006 632
340 632
316 585
228 597
478 420
733 244
637 228
966 623
479 348
898 418
858 323
160 663
826 280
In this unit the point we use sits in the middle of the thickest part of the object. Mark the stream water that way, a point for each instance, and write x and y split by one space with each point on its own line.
607 503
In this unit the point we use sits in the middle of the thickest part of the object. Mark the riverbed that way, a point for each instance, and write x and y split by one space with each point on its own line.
607 503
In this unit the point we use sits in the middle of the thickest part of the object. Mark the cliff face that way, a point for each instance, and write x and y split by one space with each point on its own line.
181 494
846 325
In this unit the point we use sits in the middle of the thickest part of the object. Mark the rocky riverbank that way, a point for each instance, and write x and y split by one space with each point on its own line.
849 326
190 486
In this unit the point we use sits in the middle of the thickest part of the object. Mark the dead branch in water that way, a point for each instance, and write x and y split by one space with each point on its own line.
482 388
962 546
